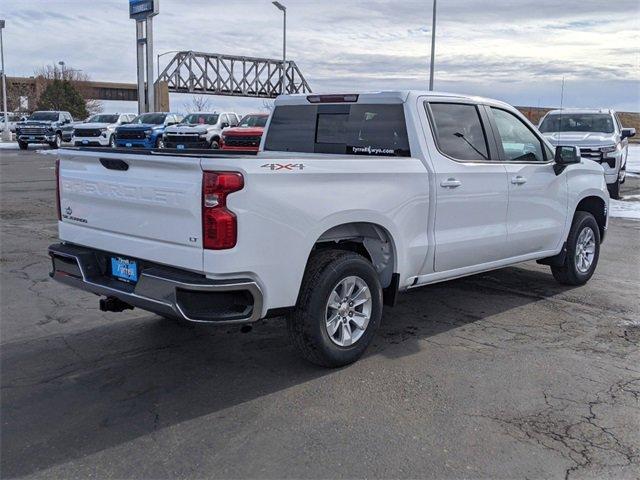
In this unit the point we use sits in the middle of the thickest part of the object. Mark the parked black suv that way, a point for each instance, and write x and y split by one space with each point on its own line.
45 127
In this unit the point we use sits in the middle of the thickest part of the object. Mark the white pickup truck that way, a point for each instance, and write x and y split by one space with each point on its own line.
350 200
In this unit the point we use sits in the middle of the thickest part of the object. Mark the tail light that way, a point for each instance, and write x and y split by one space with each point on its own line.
58 189
219 224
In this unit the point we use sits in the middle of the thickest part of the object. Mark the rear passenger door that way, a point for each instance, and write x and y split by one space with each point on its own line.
471 187
538 198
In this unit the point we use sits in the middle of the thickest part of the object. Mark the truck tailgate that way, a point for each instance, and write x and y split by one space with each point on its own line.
144 206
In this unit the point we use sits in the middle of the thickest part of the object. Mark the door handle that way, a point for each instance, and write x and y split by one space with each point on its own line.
519 180
450 183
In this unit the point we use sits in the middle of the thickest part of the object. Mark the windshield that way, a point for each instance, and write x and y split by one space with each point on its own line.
201 119
152 118
46 116
253 121
103 119
577 122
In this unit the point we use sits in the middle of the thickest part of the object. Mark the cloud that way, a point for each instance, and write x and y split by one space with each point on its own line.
520 50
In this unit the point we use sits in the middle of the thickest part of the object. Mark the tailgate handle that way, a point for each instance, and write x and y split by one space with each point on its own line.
114 164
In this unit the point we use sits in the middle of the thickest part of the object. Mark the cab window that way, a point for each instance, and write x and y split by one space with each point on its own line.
519 143
458 131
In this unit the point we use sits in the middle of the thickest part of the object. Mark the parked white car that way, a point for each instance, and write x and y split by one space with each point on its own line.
350 200
12 120
100 130
199 130
600 136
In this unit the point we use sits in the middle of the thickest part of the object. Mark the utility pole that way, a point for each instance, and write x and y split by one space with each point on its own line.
283 9
433 46
6 134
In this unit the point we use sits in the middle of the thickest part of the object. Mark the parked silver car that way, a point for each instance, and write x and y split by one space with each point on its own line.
599 135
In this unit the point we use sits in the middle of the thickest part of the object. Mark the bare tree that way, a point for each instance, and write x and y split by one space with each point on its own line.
77 78
198 103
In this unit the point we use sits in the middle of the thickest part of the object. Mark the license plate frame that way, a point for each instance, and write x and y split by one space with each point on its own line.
180 147
124 269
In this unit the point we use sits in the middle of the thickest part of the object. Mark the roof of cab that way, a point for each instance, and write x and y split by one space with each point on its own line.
385 96
581 111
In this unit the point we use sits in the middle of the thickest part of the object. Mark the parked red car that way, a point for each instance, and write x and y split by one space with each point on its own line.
247 135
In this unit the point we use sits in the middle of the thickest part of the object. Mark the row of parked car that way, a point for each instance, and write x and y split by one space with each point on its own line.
201 130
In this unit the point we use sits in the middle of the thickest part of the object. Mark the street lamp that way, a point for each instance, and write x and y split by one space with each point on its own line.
6 134
162 55
433 46
283 9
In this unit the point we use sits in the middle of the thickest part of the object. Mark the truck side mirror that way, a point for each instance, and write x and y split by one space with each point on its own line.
627 133
565 155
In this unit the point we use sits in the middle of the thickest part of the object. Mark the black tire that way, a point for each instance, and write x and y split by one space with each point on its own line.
57 142
215 144
624 176
569 273
614 189
307 322
160 142
112 141
23 145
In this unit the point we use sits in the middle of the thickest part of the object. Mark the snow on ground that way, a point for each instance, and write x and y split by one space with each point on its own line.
9 145
627 208
633 160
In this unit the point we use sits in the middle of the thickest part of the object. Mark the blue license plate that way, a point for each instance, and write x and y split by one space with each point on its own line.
124 269
85 141
180 147
129 144
31 137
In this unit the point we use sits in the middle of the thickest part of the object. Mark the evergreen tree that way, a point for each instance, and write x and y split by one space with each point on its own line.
62 95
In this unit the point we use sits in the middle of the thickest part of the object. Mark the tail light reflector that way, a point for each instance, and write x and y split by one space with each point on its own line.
219 224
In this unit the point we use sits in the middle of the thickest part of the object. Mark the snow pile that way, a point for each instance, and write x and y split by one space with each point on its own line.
627 208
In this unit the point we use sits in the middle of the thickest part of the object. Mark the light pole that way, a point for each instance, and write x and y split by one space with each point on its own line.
433 46
162 55
283 9
6 134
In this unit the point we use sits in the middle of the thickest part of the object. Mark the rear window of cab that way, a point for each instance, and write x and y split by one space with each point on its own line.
343 129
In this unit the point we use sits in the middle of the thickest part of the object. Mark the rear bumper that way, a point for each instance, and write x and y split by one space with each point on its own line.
166 291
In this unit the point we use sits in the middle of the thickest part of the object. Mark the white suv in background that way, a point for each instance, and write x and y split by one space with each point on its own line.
199 130
599 135
100 130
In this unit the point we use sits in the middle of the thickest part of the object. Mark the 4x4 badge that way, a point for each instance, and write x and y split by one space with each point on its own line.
283 166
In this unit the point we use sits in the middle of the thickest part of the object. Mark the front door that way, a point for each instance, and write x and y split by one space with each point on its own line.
471 188
538 198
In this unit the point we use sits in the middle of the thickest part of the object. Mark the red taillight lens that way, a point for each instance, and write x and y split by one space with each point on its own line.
58 189
219 224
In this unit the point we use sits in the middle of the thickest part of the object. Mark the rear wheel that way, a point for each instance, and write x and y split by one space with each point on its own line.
583 250
339 308
23 145
614 189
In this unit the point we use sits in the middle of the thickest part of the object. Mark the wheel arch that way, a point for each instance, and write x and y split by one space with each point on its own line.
371 240
596 206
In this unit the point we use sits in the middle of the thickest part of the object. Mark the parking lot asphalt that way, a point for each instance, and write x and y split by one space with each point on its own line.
500 375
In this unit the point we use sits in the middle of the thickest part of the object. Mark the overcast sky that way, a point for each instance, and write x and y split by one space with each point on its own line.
513 50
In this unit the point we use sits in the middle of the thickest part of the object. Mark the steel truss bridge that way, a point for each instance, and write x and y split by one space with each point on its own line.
214 74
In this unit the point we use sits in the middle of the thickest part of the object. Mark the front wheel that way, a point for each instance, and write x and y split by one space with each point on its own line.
614 189
23 145
112 141
160 143
583 250
57 142
215 144
338 310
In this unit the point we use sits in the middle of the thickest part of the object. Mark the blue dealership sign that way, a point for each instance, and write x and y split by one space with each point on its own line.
141 9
